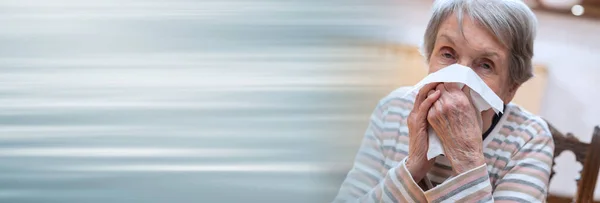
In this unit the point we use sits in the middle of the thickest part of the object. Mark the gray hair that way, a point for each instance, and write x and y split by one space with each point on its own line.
511 21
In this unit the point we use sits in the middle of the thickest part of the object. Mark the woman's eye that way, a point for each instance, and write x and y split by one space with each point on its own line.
447 55
486 66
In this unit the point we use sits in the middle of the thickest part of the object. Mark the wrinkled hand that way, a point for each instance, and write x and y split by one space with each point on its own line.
454 118
417 163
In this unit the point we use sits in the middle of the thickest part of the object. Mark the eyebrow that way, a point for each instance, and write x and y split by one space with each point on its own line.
447 38
486 52
491 54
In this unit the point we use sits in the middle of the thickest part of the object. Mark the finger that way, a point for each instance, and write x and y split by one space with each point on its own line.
441 87
466 90
434 113
423 94
431 113
452 86
443 91
426 105
439 105
430 92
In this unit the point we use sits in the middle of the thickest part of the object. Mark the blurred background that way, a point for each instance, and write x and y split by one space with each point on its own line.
229 101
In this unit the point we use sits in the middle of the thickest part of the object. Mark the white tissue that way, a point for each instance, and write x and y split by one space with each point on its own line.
482 96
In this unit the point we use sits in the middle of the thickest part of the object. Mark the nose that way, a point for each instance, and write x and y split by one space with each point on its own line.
466 63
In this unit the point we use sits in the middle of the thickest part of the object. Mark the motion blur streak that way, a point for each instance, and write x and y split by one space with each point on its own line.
184 100
199 168
131 152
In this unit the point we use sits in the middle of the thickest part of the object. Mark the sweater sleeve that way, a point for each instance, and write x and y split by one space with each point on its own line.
369 180
528 172
525 177
528 156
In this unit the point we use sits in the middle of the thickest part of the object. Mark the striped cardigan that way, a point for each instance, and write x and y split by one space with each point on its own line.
518 154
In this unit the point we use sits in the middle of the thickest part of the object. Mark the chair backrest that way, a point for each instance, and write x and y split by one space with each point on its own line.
586 154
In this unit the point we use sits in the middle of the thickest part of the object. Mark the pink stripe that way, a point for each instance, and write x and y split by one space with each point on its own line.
476 197
401 103
393 189
470 178
391 136
534 173
535 155
403 139
393 118
508 186
408 181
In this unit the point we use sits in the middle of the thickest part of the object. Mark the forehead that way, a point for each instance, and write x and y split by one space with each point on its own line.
470 34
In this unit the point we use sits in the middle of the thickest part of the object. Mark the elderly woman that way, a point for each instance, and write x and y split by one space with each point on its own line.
508 159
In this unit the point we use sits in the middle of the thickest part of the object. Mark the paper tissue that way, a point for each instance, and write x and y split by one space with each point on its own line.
482 96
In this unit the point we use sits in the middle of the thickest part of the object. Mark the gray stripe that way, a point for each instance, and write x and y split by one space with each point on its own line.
367 175
388 101
528 132
390 129
370 156
402 99
442 166
389 194
516 199
387 166
395 149
531 135
520 116
374 196
496 176
542 190
496 140
487 156
403 115
376 127
513 143
370 136
509 127
404 186
462 188
528 165
538 150
488 198
349 186
506 160
538 123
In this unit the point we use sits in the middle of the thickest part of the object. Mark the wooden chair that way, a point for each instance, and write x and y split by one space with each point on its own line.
588 154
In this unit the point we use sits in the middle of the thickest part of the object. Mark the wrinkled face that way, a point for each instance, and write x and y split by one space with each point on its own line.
476 48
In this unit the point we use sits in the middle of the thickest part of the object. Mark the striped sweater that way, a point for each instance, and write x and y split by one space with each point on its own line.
518 154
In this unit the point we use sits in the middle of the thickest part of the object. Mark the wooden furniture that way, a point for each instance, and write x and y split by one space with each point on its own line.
591 8
586 153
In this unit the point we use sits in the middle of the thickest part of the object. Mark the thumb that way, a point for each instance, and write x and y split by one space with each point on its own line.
467 90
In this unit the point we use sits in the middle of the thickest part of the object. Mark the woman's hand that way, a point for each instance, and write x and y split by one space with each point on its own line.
417 163
456 123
